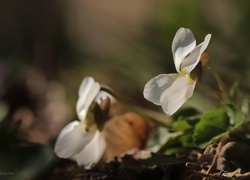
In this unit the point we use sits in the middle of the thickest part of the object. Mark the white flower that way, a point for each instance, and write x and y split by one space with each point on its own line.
74 141
171 91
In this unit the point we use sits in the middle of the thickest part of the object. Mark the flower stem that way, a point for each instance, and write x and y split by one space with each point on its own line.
220 83
134 109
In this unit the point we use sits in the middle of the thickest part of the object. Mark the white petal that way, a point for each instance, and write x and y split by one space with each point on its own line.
72 139
157 85
176 95
183 43
189 63
92 153
88 91
85 86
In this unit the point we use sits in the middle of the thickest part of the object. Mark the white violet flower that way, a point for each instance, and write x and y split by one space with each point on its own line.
171 91
77 141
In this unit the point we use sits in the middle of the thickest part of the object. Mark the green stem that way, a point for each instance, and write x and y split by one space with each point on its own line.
133 109
220 83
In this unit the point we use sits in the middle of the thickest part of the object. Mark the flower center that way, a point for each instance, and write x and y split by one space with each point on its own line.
191 80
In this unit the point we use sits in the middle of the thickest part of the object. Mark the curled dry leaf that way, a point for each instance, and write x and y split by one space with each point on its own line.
139 154
219 161
230 157
123 133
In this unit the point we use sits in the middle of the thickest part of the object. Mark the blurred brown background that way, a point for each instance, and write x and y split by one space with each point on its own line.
48 46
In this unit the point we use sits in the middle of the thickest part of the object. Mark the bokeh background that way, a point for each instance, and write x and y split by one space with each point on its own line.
47 47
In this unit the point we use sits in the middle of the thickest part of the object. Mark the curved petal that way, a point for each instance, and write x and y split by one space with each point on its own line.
92 153
85 86
72 139
189 63
183 43
176 95
157 85
88 91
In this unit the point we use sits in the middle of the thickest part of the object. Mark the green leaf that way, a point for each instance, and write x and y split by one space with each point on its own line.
212 124
245 105
186 113
157 137
175 143
185 119
181 125
237 117
187 140
172 142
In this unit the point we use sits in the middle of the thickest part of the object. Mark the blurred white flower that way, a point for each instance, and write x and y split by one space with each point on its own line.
77 141
171 91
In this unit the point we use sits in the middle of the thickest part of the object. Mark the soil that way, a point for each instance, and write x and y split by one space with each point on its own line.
222 161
